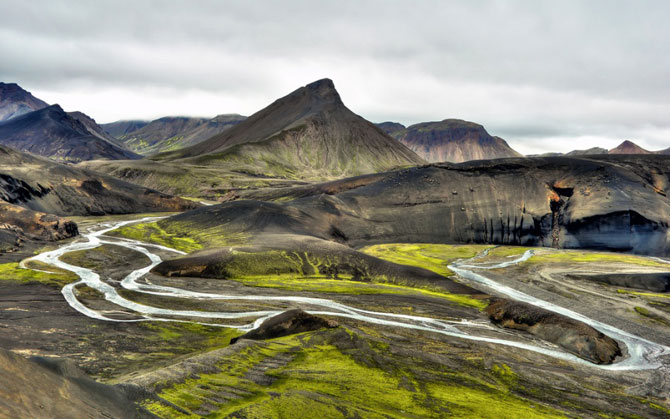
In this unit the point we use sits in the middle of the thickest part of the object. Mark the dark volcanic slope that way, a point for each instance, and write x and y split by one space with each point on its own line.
609 202
453 140
15 101
42 185
51 132
172 132
308 134
42 388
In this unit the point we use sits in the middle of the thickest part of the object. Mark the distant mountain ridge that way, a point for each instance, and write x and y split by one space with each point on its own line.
169 133
15 101
53 133
450 140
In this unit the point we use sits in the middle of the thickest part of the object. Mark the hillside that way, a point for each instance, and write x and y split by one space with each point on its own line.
601 202
119 129
36 192
14 101
452 140
169 133
53 133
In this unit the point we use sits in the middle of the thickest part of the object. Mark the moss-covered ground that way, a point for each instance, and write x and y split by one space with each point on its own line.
46 275
335 374
434 257
152 233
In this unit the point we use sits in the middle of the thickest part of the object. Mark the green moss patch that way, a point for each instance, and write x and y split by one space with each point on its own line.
54 277
434 257
153 233
308 374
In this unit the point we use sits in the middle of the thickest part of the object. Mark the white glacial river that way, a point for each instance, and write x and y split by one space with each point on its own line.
642 354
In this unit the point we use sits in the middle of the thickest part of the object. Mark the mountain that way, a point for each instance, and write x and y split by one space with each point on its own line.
15 101
307 134
588 152
53 133
629 147
119 129
453 140
170 133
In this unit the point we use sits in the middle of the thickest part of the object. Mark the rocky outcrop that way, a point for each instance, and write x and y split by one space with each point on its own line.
287 323
19 225
574 336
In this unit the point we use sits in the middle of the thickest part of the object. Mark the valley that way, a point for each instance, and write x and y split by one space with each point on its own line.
378 325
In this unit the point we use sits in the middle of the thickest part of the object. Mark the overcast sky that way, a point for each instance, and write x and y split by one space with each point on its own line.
545 75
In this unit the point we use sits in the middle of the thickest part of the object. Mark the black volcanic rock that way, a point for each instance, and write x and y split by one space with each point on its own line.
287 323
306 134
453 140
53 133
572 335
14 101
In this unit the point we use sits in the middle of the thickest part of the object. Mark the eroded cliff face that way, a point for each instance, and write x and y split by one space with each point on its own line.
612 202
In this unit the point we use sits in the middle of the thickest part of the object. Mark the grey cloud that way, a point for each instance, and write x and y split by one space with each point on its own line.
524 69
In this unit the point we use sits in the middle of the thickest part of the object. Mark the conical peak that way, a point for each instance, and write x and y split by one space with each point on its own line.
323 89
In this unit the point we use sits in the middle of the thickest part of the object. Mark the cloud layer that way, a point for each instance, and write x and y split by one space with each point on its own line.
545 75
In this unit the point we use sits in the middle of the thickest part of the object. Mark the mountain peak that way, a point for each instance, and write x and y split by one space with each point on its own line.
629 147
324 90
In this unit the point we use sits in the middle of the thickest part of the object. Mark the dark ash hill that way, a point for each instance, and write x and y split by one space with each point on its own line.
602 202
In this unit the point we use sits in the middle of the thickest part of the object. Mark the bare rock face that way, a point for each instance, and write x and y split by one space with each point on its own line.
574 336
287 323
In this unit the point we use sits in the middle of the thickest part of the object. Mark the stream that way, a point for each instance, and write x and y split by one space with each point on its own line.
642 353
